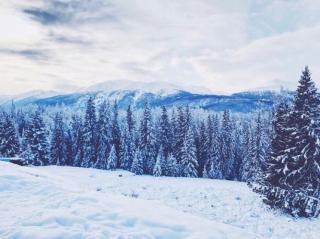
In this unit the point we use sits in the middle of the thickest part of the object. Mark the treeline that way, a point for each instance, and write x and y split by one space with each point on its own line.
278 152
161 142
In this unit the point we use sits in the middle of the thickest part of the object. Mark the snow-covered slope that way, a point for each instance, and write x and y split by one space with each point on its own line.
158 87
64 202
40 203
156 93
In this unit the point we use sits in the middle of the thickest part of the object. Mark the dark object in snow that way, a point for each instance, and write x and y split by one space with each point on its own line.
18 161
120 176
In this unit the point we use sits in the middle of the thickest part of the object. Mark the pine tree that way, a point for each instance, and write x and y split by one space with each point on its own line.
116 134
36 135
165 132
171 166
9 142
189 162
58 143
213 168
146 141
202 148
112 159
104 136
157 170
137 164
226 146
279 144
69 148
128 141
90 135
77 134
293 175
304 168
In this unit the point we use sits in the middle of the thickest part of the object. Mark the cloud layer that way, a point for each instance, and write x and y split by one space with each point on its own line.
226 46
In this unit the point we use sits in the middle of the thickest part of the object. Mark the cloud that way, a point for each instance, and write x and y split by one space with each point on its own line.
32 54
226 46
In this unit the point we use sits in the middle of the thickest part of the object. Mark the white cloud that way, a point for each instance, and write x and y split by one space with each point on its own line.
227 46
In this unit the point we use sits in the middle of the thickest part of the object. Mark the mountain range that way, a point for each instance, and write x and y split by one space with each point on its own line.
156 94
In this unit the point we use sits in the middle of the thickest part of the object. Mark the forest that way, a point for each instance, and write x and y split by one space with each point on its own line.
276 151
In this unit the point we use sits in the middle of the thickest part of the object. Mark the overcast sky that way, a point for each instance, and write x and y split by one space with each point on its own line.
225 46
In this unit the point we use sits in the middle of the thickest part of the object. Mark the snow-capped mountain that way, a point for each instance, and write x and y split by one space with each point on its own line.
157 94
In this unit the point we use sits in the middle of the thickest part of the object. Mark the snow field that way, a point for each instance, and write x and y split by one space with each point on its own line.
53 202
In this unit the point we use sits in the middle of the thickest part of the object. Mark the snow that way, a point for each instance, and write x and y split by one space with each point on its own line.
162 88
65 202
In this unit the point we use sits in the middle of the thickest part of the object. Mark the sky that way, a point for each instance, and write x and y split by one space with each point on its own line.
223 46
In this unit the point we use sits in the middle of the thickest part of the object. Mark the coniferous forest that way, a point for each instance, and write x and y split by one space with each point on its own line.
276 151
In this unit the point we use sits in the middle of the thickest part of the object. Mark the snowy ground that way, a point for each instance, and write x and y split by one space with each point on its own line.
64 202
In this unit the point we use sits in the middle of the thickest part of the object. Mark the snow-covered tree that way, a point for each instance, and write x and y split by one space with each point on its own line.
37 137
104 134
137 164
58 142
9 142
293 175
77 133
165 132
116 134
112 159
146 141
158 167
128 141
90 135
189 162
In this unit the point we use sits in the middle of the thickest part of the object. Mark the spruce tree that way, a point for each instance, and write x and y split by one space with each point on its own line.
90 135
158 167
146 141
128 141
226 146
189 162
104 134
58 143
293 176
77 133
165 132
37 137
171 166
202 148
112 159
69 149
116 134
137 164
9 142
279 144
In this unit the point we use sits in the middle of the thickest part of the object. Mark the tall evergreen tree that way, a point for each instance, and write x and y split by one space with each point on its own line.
202 148
9 142
77 133
165 132
112 159
58 142
128 141
293 174
37 137
69 148
116 134
159 165
137 164
226 146
146 141
189 162
90 135
279 144
104 133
